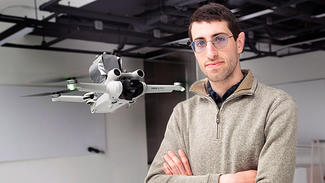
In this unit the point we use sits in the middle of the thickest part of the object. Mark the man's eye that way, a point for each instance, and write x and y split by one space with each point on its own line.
200 43
219 38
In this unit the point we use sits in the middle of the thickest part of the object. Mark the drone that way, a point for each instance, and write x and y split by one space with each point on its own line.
112 87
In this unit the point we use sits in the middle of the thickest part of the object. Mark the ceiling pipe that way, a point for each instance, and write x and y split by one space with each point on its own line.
55 7
39 25
300 43
36 47
158 42
139 24
14 32
180 3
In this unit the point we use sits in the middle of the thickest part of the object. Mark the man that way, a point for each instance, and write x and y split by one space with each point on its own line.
235 129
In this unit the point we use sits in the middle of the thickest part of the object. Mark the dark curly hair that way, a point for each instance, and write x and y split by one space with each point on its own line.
215 12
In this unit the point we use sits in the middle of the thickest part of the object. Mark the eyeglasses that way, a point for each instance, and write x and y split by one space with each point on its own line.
219 41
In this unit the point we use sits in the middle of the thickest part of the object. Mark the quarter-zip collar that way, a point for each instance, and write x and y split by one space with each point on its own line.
246 87
220 99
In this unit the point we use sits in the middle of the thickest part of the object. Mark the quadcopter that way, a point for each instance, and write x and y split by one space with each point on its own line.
112 86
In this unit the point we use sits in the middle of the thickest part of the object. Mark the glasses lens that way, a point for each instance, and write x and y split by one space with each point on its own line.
220 41
198 45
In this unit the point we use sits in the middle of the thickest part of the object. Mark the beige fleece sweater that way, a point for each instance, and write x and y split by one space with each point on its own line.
255 128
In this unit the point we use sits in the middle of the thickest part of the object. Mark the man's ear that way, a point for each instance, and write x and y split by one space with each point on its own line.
240 42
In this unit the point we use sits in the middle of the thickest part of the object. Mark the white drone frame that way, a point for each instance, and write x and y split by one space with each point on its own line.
111 89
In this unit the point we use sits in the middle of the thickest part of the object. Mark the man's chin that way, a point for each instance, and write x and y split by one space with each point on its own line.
216 78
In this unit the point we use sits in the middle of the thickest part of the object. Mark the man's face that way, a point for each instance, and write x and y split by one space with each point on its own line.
217 64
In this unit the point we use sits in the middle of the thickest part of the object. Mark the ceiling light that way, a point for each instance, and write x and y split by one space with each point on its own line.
180 41
235 10
75 3
286 37
20 33
256 14
319 16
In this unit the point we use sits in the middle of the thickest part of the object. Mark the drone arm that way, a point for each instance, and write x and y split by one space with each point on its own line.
91 87
113 88
162 88
106 104
67 98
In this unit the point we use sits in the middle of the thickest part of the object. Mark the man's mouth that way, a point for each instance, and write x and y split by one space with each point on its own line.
213 65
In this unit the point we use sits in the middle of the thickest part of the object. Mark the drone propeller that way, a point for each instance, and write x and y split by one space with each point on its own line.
48 93
61 79
71 86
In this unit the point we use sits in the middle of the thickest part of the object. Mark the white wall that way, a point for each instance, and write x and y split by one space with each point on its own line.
300 175
274 70
36 127
125 160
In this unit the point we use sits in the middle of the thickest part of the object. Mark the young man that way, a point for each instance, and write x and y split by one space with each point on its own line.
235 129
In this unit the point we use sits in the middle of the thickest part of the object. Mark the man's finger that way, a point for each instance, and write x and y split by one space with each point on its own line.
172 165
167 169
185 162
178 162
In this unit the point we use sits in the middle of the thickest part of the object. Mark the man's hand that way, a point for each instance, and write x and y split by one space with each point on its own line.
175 166
248 176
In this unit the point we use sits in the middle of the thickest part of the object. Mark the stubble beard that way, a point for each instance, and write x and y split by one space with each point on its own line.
223 74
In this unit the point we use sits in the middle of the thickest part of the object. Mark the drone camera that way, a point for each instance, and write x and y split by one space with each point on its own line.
140 73
114 74
117 72
137 74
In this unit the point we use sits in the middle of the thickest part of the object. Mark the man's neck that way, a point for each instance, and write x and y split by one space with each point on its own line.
220 87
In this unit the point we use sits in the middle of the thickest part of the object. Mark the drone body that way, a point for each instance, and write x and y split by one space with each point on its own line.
111 88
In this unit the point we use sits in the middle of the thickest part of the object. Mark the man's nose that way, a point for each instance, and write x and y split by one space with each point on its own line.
211 51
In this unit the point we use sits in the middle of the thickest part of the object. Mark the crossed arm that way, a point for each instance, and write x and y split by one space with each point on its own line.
180 166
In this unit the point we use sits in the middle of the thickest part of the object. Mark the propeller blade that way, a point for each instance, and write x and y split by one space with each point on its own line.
92 87
48 93
61 79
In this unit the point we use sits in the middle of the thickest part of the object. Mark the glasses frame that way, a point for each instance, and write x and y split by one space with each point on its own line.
213 43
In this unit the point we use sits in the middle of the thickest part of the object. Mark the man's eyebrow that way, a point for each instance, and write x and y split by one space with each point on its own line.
198 38
214 35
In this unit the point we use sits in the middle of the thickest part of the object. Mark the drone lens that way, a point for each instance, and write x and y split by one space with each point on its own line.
140 73
117 72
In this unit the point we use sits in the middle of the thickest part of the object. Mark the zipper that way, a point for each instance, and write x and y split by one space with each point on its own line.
219 109
218 124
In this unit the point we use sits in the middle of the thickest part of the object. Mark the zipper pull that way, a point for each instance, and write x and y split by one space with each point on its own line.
218 121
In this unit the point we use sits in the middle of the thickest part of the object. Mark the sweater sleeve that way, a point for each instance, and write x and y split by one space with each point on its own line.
173 141
277 159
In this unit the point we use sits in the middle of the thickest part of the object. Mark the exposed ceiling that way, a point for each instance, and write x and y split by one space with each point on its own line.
151 29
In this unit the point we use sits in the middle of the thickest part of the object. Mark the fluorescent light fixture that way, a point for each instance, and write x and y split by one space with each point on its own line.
286 37
256 14
180 41
319 16
75 3
235 10
17 34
